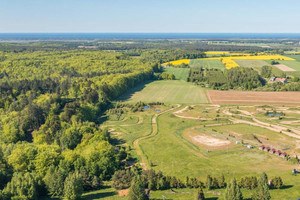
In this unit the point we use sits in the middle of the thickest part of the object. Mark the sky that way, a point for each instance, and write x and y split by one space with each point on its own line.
149 16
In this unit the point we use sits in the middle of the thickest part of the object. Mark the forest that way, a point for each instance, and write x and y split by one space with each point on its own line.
51 106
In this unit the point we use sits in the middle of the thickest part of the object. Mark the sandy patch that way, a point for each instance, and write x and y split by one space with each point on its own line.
284 68
123 193
208 140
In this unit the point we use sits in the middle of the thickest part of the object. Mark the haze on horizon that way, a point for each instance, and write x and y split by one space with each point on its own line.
155 16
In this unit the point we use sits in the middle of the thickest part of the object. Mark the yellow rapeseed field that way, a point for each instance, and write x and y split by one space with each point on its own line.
229 61
178 62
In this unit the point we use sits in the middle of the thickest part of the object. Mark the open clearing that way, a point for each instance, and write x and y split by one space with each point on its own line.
253 98
284 68
216 64
199 138
167 91
179 73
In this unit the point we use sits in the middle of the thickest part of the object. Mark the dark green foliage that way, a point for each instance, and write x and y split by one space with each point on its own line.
277 183
54 181
137 190
209 182
233 191
122 179
248 182
200 194
262 190
266 71
73 187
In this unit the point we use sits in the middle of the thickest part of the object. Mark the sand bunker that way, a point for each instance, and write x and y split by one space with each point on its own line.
284 68
209 140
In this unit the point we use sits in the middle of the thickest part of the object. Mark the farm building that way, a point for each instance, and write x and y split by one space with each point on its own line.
250 147
283 155
267 149
262 147
278 153
274 79
272 151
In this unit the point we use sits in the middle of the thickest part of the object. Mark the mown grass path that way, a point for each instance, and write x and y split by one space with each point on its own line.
154 130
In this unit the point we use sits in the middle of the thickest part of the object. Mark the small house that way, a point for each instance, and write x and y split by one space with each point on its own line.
267 149
282 80
272 79
283 155
272 151
278 153
262 147
250 147
237 142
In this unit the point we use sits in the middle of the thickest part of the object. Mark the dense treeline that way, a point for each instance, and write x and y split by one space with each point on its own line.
235 78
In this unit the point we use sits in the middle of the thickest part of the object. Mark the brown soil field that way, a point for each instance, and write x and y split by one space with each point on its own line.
284 68
253 98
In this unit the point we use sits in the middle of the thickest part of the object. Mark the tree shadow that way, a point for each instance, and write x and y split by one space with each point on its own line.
127 95
212 198
98 195
286 187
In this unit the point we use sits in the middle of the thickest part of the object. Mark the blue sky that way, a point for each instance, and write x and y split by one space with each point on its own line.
196 16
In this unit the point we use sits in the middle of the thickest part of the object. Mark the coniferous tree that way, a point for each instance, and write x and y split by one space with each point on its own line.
233 191
262 191
137 190
200 194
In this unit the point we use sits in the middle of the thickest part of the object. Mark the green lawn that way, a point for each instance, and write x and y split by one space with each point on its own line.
296 57
173 155
174 91
217 64
179 73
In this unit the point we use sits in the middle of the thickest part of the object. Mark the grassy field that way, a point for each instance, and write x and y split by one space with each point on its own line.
166 91
217 64
296 57
171 153
179 73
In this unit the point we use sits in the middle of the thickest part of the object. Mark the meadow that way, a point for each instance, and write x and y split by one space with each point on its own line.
173 91
216 64
179 73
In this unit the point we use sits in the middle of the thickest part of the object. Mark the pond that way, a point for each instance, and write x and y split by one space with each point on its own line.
272 115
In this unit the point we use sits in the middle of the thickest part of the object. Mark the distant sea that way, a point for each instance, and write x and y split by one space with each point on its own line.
94 36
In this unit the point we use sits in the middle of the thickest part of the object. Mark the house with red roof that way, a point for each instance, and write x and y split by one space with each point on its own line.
278 153
272 151
267 149
283 155
262 147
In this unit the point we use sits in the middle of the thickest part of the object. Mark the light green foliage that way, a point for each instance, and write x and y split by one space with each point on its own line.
22 185
54 180
73 187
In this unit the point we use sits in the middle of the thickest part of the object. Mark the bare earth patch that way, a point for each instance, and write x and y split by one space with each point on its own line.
284 68
253 98
209 140
123 193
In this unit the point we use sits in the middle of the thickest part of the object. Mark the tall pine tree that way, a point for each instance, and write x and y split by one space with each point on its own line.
262 190
200 194
233 191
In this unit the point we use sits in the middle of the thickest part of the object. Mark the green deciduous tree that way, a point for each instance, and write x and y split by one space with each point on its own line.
137 191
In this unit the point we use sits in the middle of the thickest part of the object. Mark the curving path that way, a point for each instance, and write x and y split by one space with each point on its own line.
154 131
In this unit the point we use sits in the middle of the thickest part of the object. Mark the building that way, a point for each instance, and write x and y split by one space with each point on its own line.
283 155
272 151
274 79
262 147
278 153
267 149
250 147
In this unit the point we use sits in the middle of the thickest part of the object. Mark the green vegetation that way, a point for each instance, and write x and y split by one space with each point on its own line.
180 73
209 64
166 91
